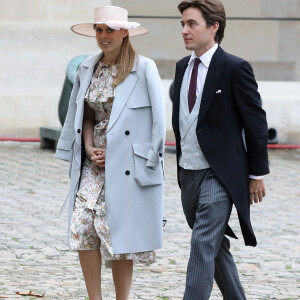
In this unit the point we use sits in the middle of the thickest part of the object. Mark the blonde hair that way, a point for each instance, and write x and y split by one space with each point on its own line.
124 61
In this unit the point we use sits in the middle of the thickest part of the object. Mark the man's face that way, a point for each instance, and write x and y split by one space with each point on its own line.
197 36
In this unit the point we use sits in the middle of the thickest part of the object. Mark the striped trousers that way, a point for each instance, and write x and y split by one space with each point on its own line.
207 208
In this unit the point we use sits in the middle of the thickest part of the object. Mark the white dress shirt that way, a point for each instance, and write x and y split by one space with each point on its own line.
202 68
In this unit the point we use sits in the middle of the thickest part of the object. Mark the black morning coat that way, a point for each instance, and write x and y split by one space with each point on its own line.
222 117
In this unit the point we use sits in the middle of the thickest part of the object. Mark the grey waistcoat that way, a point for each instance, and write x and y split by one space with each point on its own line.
192 157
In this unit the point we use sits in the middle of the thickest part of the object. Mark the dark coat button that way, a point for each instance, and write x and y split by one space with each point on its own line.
160 154
127 132
127 172
78 130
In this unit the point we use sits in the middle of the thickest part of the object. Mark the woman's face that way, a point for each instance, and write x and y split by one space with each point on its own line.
110 40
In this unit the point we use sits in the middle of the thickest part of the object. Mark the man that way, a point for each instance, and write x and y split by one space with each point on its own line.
215 101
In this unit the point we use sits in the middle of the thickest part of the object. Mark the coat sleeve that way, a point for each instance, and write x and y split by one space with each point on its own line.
66 139
156 95
253 117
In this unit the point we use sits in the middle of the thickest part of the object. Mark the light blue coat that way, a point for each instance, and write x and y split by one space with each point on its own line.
134 202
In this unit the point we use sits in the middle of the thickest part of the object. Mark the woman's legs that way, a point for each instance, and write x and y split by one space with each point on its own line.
122 271
122 274
90 261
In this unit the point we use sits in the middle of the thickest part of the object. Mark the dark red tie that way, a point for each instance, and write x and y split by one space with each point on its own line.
193 85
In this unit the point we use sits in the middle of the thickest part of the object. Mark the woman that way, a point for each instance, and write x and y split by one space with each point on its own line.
113 136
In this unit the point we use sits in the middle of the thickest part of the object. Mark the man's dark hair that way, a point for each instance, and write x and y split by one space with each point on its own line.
212 11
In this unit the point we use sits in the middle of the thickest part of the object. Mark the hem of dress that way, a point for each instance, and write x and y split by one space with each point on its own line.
108 263
79 249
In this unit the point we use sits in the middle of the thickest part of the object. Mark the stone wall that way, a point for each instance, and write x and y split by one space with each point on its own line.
271 46
36 45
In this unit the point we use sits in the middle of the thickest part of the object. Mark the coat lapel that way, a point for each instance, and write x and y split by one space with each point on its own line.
85 76
122 94
177 86
213 78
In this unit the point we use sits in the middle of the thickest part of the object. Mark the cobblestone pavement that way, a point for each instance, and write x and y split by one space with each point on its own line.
33 253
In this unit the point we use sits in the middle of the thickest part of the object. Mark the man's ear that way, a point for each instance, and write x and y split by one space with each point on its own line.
215 27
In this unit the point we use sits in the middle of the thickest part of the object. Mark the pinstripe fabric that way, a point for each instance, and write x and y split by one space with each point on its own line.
207 208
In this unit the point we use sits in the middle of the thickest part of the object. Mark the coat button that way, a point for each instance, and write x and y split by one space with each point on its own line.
78 130
127 172
160 154
127 132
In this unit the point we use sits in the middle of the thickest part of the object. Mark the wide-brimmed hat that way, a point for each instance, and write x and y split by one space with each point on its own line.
114 17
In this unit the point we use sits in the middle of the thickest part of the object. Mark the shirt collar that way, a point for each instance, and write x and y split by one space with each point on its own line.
206 57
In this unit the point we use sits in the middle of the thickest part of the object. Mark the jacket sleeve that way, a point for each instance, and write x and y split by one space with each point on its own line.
253 117
156 95
67 136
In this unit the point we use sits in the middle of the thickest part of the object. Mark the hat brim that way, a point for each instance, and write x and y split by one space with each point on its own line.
87 29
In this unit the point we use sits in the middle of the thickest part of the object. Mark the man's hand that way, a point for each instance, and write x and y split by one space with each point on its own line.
257 190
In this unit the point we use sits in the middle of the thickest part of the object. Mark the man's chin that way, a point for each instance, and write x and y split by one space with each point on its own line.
189 47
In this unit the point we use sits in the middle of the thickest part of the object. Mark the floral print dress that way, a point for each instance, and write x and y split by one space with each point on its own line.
89 226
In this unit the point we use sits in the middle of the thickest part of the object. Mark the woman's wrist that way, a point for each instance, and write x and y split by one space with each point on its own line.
88 151
88 146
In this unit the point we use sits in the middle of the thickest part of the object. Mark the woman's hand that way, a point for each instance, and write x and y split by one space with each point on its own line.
96 155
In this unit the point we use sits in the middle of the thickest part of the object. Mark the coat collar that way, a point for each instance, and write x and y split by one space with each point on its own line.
85 75
91 61
122 94
180 69
213 77
123 90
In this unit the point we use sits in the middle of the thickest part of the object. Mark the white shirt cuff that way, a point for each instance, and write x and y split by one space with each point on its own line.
256 177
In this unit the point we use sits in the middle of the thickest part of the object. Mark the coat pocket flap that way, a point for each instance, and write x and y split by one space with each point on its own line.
141 149
144 175
138 102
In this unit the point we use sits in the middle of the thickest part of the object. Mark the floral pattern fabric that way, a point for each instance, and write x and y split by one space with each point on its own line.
89 226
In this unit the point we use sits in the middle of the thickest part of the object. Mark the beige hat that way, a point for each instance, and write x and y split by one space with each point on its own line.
114 17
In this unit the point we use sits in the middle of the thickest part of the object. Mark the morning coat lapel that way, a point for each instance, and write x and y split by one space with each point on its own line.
122 94
181 67
213 77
